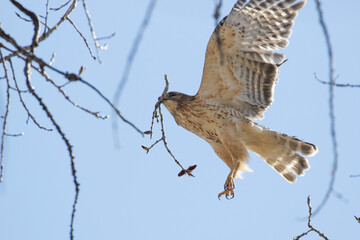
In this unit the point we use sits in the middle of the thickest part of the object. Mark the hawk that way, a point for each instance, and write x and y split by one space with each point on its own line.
239 76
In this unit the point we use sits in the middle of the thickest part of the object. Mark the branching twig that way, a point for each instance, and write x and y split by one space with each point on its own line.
97 45
331 109
22 101
112 105
61 20
128 65
72 77
31 60
163 138
338 84
46 76
311 228
45 35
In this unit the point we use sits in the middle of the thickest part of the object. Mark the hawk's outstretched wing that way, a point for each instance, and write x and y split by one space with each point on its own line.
240 70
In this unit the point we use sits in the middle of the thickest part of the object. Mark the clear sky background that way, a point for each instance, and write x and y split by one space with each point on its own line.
128 194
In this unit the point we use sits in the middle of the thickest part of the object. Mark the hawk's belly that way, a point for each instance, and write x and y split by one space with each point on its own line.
204 120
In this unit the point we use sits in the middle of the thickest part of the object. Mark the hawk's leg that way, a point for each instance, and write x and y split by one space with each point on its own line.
233 152
230 183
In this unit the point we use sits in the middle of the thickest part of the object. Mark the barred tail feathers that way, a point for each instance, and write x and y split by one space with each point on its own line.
280 151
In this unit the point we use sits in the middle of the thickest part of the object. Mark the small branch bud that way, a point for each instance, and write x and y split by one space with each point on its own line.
148 132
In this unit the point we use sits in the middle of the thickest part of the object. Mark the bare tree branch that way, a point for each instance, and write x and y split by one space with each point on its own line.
338 84
72 77
82 36
62 134
129 62
97 45
3 132
163 137
22 101
311 228
331 108
27 54
35 21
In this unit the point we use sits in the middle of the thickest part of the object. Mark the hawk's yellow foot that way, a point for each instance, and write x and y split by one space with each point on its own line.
229 188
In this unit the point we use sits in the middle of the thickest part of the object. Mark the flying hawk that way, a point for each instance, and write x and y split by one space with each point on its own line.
240 73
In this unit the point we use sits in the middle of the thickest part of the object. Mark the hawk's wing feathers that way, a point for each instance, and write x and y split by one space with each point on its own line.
248 36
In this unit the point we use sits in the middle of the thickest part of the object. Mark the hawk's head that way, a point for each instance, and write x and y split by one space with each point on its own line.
173 100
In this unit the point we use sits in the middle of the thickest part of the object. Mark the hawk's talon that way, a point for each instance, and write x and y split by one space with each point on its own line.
229 190
232 196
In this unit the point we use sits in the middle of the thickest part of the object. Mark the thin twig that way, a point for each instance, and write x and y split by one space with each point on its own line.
163 137
46 76
97 45
72 77
22 101
82 36
61 20
338 84
22 18
58 8
52 59
3 132
129 62
13 135
46 16
44 35
331 109
111 105
106 37
311 228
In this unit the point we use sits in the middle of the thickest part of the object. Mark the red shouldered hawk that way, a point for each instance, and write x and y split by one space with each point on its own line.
240 73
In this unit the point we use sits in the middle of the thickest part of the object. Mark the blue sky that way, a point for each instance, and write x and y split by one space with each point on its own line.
128 194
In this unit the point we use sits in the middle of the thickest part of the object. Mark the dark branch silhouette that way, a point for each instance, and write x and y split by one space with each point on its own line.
311 228
5 116
338 84
163 137
10 48
331 108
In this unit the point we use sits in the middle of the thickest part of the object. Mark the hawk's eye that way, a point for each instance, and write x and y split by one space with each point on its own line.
171 94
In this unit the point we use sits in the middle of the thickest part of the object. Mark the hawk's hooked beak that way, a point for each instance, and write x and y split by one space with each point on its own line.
163 98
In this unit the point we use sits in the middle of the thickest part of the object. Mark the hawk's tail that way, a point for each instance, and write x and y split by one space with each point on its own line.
280 151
